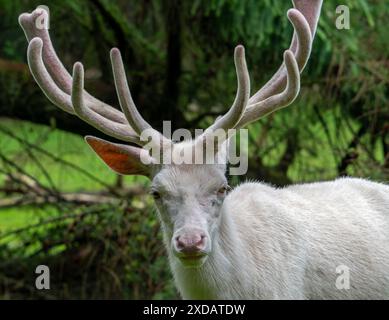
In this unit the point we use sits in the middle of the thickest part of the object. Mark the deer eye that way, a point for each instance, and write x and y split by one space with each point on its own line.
223 190
155 194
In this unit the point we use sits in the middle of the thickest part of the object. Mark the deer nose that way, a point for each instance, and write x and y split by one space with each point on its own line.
190 243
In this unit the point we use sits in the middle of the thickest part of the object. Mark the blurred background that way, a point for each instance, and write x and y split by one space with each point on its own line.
98 232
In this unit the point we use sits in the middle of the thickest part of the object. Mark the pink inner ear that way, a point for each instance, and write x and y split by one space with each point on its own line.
120 162
122 159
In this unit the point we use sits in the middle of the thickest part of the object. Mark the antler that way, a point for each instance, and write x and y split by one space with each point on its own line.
283 88
231 118
68 93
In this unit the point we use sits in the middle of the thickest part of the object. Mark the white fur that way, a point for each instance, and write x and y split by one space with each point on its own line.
269 243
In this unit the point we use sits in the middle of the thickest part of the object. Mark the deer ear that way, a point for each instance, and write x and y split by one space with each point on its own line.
121 158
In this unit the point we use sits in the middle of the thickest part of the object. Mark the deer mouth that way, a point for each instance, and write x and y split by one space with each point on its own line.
192 256
192 260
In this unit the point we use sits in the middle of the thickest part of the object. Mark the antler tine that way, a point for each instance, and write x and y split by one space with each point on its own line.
131 112
311 11
123 92
304 19
277 101
231 118
58 73
63 100
44 79
109 127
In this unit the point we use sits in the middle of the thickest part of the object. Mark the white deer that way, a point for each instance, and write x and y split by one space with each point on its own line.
326 240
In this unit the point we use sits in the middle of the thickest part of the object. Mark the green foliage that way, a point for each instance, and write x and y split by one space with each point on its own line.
93 253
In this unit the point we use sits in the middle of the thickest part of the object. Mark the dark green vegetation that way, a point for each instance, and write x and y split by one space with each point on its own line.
60 206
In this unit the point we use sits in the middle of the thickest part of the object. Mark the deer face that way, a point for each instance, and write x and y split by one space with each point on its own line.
189 198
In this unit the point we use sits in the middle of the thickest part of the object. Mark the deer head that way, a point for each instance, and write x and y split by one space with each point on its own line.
189 197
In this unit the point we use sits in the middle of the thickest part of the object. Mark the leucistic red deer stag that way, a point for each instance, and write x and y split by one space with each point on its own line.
327 240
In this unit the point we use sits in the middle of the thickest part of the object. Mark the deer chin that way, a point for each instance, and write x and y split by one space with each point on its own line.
192 260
